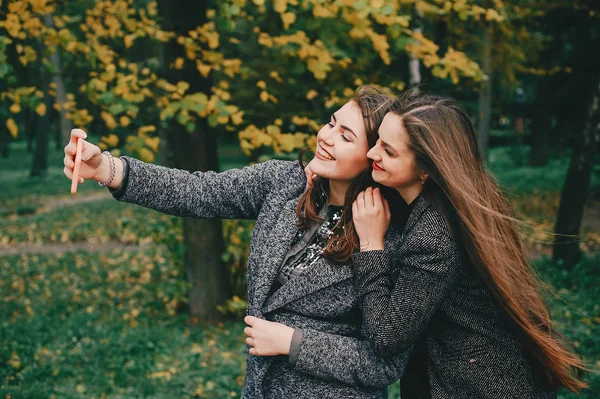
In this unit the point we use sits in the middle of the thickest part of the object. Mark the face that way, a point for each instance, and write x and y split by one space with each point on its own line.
394 163
341 153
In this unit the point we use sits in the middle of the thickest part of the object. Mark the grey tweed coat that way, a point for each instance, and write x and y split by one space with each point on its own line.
335 360
423 293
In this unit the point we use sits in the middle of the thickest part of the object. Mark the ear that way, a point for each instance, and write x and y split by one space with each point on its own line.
424 176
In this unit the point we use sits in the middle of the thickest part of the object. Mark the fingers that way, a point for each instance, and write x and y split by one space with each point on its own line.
386 206
77 133
68 162
69 173
250 320
369 200
253 351
360 200
89 151
248 331
71 147
250 341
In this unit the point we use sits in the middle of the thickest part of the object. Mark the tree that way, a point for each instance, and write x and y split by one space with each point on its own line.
574 192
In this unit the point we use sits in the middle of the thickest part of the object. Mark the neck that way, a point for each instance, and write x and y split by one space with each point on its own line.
410 193
337 192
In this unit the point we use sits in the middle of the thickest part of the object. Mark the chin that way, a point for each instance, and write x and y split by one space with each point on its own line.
321 168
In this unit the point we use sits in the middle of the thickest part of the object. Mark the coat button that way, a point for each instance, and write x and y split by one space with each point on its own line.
472 360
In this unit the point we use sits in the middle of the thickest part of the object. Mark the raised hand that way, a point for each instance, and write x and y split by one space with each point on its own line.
371 216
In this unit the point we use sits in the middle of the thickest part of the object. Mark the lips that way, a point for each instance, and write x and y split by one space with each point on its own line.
377 167
321 153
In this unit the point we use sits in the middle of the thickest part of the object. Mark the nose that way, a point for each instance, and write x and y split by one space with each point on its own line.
373 154
326 135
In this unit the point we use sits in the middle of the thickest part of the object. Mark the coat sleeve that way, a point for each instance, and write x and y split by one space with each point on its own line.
347 359
233 194
397 312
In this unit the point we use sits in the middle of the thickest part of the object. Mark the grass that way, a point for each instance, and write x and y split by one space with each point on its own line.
107 324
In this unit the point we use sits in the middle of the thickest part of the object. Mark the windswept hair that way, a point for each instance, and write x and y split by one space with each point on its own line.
446 146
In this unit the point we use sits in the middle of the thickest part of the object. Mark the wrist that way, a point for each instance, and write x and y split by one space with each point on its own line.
286 341
371 245
103 170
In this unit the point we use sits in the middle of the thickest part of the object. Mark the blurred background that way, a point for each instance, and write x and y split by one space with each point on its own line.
106 300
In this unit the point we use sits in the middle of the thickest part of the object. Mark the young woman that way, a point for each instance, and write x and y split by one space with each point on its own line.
458 288
299 261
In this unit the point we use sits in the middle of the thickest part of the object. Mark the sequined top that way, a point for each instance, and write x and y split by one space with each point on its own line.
308 245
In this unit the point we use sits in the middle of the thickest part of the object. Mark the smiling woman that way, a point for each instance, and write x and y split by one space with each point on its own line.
298 267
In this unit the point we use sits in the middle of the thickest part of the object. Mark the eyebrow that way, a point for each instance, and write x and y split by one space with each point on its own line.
388 146
344 126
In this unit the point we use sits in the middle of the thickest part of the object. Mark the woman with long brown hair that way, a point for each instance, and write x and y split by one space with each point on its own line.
458 289
299 261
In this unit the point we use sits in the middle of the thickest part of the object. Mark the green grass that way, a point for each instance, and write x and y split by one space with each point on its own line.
88 325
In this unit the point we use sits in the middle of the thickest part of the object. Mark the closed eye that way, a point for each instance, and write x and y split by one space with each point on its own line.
346 138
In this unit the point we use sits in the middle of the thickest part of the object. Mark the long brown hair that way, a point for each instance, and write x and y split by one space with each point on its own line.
445 143
373 104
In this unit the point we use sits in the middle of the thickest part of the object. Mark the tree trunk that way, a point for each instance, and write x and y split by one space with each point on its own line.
485 91
414 64
39 166
540 129
65 125
574 192
195 151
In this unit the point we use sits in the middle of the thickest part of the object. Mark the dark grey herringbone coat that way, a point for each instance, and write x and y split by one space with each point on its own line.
422 293
334 360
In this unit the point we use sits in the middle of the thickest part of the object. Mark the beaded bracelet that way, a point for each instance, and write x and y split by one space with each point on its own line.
112 169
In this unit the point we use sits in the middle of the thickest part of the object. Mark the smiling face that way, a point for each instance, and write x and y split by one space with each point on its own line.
394 163
342 146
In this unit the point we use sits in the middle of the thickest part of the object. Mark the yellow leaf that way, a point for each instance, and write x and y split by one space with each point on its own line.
261 84
264 96
145 129
153 143
311 94
280 5
128 39
15 108
258 2
109 120
179 63
124 120
111 140
236 118
288 19
146 155
41 109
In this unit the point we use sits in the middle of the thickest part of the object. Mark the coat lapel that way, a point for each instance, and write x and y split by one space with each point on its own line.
420 206
320 274
279 242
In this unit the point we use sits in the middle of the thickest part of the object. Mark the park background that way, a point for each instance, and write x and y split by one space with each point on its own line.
107 300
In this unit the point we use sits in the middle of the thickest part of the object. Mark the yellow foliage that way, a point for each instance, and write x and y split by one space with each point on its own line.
146 155
112 140
264 96
15 108
145 129
261 84
288 19
152 142
109 120
12 127
41 109
124 121
259 2
280 5
311 94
